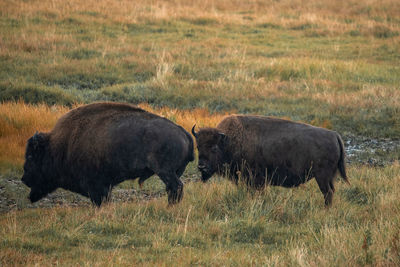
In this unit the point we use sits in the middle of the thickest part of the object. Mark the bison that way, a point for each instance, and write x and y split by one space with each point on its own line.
97 146
261 149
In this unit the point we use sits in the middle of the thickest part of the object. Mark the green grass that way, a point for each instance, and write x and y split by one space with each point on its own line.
220 223
288 65
329 63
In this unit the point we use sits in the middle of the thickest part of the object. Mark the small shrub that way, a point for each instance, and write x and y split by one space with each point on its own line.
247 233
204 21
356 195
69 21
269 25
316 33
355 33
82 54
302 27
380 31
289 74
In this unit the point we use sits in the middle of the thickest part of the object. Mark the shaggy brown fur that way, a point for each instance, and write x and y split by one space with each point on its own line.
94 147
280 152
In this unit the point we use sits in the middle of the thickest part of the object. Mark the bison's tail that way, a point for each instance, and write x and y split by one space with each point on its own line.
191 152
342 163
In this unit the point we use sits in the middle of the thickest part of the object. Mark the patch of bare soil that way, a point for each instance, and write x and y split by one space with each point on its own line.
14 196
374 152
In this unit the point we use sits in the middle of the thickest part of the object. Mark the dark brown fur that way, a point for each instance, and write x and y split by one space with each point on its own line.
280 152
94 147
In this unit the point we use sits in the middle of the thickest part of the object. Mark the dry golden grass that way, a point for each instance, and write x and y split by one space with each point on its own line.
187 118
19 121
178 8
290 13
219 224
308 60
322 61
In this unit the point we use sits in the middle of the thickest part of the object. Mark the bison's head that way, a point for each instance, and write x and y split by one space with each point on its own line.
33 168
210 144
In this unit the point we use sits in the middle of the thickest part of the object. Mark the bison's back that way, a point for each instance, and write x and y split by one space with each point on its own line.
153 143
276 143
113 137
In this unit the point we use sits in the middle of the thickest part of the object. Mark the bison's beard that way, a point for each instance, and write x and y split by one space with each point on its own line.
37 194
205 175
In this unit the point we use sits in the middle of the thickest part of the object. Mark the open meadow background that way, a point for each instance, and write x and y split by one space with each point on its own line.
333 64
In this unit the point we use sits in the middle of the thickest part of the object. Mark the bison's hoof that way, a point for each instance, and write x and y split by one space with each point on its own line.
175 196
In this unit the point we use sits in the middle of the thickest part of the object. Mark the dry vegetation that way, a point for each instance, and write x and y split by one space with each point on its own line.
216 224
331 63
226 10
307 60
19 121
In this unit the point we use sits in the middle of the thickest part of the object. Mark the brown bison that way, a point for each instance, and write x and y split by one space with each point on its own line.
278 151
94 147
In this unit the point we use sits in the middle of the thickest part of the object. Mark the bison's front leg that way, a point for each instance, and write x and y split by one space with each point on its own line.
174 187
257 182
99 194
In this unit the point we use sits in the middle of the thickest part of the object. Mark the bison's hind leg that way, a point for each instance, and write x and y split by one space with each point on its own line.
326 185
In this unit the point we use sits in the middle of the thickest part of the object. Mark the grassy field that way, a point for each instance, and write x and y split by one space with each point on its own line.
219 224
332 63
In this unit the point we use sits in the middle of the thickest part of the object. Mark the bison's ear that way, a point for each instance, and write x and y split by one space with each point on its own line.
38 141
223 139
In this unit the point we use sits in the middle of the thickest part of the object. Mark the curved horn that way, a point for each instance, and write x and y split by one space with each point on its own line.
35 136
193 131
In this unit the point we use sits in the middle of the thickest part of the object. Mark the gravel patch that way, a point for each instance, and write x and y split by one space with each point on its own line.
374 152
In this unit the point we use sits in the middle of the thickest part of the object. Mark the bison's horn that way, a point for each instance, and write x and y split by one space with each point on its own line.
35 136
193 131
35 140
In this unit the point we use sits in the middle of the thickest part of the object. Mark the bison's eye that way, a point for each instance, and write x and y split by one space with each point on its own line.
214 149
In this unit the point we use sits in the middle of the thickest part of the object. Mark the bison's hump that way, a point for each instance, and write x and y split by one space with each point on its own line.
106 106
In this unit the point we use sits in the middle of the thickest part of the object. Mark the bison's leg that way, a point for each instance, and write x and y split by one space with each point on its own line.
325 184
142 179
99 195
174 187
181 170
145 175
259 182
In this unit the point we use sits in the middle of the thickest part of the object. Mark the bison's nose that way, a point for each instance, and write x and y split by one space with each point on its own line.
202 167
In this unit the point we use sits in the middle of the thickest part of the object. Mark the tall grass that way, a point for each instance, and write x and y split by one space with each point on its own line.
19 121
330 63
307 60
219 223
